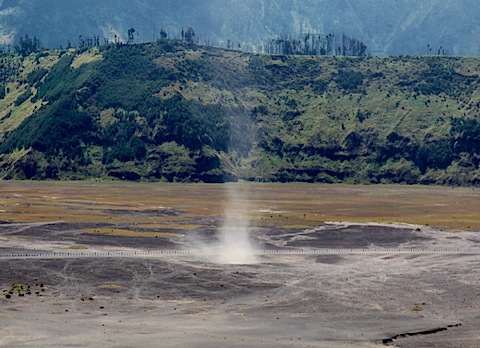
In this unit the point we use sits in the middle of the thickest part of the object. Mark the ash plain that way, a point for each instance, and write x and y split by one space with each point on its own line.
283 300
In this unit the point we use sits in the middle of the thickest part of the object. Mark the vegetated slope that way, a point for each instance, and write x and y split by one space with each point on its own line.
178 112
390 27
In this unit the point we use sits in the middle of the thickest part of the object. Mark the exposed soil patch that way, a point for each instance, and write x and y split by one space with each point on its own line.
359 237
329 259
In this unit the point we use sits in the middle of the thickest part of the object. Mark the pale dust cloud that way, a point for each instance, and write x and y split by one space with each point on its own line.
235 245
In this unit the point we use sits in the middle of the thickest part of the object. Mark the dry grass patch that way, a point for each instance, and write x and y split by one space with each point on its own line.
170 226
92 55
18 114
302 205
130 233
417 308
77 247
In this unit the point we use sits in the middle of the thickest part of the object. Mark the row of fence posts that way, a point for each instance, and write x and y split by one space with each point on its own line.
257 252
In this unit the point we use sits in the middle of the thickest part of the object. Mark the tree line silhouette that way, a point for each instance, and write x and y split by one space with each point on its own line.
315 45
309 44
305 44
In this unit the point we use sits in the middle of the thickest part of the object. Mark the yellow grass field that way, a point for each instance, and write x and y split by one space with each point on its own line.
149 205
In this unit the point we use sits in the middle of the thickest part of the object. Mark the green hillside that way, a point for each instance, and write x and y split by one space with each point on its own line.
177 112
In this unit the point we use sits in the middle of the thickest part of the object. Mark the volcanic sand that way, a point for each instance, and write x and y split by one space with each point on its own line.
283 300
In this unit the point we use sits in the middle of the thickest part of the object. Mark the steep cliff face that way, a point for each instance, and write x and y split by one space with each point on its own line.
388 27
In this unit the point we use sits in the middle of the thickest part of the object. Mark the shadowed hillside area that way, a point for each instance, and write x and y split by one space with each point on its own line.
175 111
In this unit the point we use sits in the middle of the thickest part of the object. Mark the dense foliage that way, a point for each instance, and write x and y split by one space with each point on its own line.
174 111
60 129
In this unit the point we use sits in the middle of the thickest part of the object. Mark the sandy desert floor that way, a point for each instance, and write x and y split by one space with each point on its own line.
281 300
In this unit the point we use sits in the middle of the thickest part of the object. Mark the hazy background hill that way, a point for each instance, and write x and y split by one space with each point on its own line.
391 27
